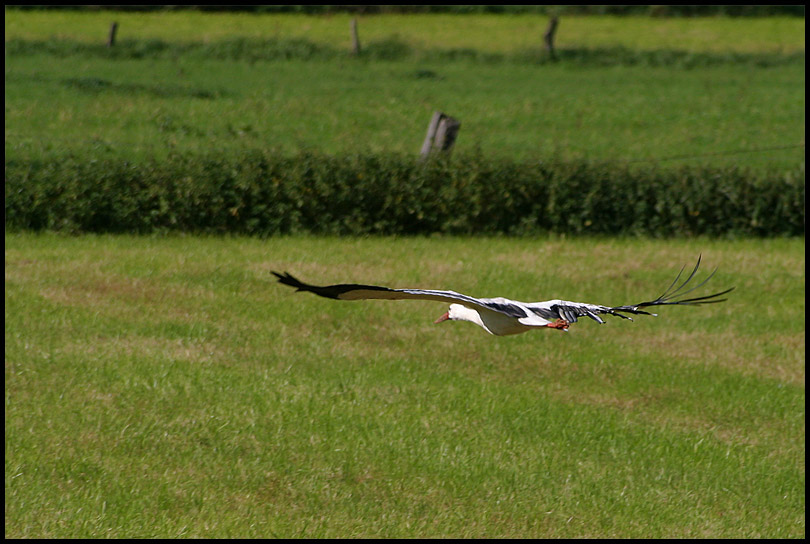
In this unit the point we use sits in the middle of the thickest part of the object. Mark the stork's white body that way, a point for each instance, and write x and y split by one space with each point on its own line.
500 324
493 322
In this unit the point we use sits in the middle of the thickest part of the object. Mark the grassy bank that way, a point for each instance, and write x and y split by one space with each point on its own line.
160 387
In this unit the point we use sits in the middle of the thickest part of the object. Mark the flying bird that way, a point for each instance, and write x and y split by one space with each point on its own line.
502 316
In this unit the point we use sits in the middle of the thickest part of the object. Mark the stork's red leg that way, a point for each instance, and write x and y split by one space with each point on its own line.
561 324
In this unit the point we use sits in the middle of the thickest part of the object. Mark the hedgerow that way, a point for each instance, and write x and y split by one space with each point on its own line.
262 194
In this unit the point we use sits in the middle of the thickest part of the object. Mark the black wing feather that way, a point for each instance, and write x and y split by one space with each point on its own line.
571 311
328 291
670 297
354 291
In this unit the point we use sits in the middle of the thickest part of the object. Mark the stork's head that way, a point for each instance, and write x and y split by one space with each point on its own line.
456 312
491 321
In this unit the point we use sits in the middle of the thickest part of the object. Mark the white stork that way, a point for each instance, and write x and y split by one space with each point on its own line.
501 316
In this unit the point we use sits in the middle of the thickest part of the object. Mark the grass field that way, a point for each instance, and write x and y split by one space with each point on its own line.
103 107
495 33
167 386
88 106
162 387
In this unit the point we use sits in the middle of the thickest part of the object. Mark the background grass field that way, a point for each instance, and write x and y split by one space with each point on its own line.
168 387
732 112
608 114
486 32
165 386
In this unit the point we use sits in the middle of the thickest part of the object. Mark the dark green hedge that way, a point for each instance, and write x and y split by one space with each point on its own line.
262 194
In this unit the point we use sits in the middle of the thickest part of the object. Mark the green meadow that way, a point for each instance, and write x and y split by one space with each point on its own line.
116 108
486 32
735 95
163 387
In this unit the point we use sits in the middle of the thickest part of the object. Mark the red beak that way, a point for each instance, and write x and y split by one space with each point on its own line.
445 317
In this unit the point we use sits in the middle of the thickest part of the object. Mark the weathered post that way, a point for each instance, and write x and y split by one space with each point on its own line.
431 133
441 134
111 37
548 37
355 38
446 134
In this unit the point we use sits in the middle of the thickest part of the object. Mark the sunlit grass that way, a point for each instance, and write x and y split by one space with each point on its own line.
166 387
495 33
726 114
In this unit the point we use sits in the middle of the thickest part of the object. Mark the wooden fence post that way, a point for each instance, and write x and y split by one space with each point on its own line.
548 37
441 134
111 37
355 38
446 134
431 133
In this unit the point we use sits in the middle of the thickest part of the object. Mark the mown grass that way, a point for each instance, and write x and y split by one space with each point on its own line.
161 387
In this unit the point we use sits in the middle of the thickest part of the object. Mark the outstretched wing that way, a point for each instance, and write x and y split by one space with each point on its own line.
353 291
571 311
